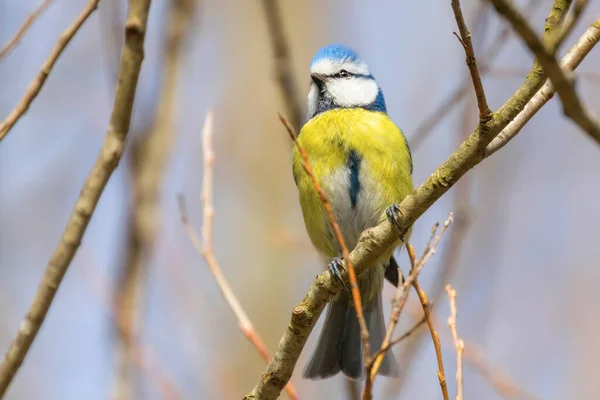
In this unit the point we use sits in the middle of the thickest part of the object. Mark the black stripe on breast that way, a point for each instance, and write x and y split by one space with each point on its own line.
353 165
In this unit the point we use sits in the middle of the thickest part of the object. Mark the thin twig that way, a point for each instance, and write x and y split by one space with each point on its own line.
364 333
108 159
458 343
36 85
435 337
447 105
205 247
280 47
562 79
373 242
404 336
485 114
400 299
28 22
570 61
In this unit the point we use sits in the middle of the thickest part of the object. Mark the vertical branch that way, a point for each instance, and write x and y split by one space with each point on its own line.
107 161
21 32
205 247
458 343
148 161
283 64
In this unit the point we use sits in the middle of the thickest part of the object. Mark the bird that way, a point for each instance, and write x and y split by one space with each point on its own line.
363 163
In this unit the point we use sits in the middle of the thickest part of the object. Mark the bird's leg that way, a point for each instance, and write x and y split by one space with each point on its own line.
392 213
336 267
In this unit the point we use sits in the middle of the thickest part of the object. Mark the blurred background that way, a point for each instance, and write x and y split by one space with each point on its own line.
139 314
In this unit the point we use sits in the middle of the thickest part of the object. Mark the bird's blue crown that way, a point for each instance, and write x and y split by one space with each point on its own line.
336 52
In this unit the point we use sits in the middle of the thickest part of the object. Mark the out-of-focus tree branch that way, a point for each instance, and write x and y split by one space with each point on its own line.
107 161
562 80
205 248
283 63
149 156
36 85
374 241
21 32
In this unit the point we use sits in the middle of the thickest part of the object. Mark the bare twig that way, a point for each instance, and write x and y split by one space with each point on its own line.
562 80
485 114
570 61
400 299
149 156
404 336
458 343
205 247
373 242
36 85
107 161
364 333
435 338
28 22
283 64
447 105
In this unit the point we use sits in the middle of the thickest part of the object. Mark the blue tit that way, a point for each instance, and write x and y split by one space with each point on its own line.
363 163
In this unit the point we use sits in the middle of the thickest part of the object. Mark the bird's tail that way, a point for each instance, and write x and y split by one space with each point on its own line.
340 347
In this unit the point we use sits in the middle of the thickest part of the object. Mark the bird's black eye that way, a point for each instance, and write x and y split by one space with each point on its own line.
344 74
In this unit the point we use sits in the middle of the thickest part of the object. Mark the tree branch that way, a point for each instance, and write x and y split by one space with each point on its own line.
288 86
375 241
458 343
364 332
485 114
36 85
148 157
205 247
28 22
562 80
107 161
570 61
445 107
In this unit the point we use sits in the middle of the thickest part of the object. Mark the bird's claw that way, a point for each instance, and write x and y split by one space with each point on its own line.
392 213
336 267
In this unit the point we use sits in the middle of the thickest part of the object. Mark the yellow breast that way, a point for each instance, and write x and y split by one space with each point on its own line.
362 161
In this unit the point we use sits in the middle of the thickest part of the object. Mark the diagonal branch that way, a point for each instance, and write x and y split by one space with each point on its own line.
106 162
446 106
21 32
570 61
205 248
562 80
36 85
364 332
375 241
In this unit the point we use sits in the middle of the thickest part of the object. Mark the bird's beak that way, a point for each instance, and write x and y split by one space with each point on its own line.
318 79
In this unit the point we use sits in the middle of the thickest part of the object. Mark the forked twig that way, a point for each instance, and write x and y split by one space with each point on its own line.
399 301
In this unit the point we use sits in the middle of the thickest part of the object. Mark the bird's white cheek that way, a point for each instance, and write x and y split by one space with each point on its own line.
354 92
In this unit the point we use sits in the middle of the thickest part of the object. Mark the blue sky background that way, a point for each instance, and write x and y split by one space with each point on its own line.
527 274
